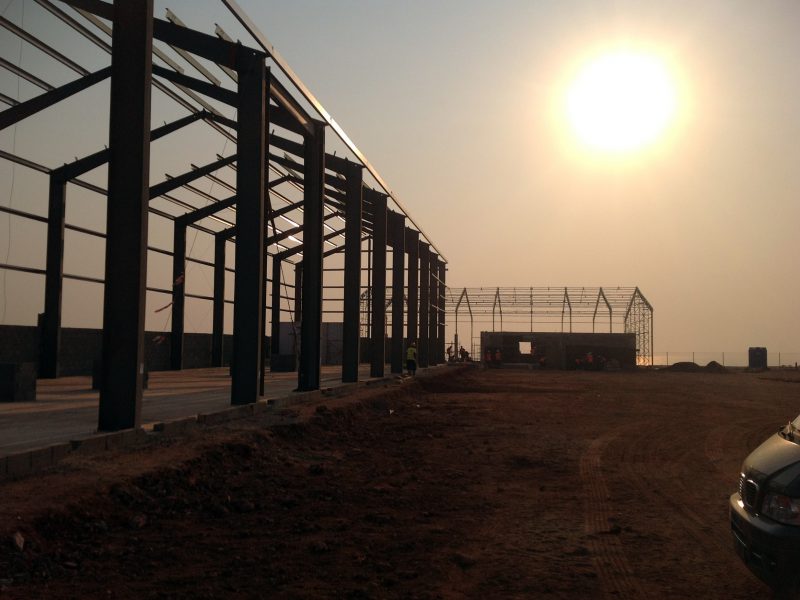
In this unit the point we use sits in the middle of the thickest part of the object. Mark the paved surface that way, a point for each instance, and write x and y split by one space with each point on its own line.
66 408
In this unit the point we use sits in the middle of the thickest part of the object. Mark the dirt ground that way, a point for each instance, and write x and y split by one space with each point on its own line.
473 484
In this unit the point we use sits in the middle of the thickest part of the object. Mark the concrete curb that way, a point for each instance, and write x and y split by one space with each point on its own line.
176 427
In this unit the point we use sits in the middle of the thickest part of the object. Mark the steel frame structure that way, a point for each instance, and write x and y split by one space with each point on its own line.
280 173
564 309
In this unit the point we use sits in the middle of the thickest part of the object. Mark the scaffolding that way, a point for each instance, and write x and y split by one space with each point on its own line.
540 309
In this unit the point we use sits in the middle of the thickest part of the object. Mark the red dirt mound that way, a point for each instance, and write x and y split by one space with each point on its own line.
715 367
685 367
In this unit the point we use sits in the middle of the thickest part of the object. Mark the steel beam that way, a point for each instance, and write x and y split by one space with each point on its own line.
287 145
173 18
423 346
288 253
53 287
262 41
218 310
49 50
283 210
250 184
20 111
106 10
203 87
338 249
378 292
68 20
27 76
126 231
219 51
206 211
308 373
277 237
92 161
178 294
172 184
351 327
283 118
397 225
92 37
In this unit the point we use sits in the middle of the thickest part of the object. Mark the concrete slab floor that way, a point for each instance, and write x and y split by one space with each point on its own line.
66 408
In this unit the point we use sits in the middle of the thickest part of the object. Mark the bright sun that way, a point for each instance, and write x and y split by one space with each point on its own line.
621 101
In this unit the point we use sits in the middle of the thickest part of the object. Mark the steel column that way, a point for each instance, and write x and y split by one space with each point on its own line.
178 294
250 184
313 231
441 333
412 248
351 327
298 288
423 347
397 224
126 230
53 287
433 313
378 292
262 367
218 318
275 336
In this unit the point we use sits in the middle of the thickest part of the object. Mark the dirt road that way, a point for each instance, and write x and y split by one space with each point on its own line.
499 484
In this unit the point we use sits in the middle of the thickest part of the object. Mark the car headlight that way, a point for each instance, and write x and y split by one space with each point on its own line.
782 508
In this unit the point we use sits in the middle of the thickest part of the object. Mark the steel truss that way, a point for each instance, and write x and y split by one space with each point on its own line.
287 203
565 309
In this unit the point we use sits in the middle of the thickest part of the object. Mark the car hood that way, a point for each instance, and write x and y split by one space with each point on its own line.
774 455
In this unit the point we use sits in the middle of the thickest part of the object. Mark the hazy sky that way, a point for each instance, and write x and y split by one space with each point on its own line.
460 104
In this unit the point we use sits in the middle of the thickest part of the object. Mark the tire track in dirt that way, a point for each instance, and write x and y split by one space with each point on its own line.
732 439
637 468
715 444
638 458
615 574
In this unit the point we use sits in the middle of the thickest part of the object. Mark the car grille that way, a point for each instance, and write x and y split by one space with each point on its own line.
748 490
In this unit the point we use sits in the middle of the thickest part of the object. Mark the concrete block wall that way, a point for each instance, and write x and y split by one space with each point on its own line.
80 347
560 349
19 344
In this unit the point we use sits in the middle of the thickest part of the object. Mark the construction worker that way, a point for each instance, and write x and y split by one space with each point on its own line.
411 359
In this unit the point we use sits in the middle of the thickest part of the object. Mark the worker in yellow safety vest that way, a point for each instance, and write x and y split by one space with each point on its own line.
411 359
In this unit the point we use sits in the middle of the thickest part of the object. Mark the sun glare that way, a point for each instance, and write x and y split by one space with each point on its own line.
621 102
